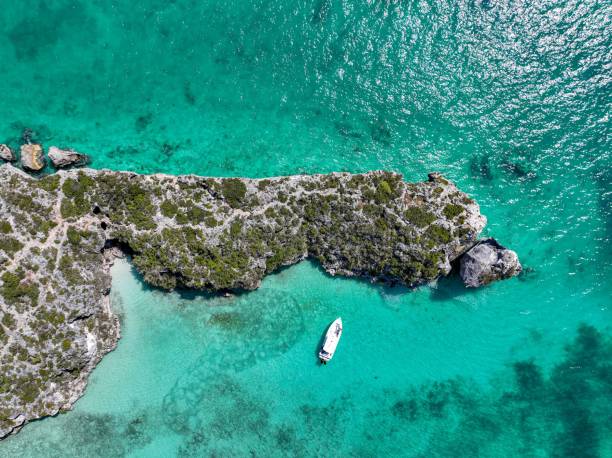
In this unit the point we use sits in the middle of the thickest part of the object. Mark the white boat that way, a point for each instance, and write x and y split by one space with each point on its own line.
332 337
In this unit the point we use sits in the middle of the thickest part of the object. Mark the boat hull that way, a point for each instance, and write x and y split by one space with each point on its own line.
330 343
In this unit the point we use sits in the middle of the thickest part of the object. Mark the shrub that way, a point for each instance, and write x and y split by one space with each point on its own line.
8 320
419 217
10 245
74 237
181 218
72 275
263 184
452 210
381 224
74 209
49 183
236 228
28 392
168 209
139 207
77 188
233 191
196 215
5 227
211 221
438 233
13 289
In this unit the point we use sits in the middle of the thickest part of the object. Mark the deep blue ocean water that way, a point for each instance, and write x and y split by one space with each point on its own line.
511 100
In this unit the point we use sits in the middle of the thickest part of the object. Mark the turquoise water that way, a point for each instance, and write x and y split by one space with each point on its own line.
509 100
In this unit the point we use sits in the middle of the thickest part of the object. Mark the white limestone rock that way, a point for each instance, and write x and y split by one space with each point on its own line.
486 262
32 157
6 153
66 157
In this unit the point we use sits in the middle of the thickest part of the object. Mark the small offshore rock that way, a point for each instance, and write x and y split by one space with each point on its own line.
486 262
32 157
6 153
66 157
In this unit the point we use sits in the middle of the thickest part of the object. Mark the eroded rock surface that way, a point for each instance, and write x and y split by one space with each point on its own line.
6 153
61 158
203 233
32 157
486 262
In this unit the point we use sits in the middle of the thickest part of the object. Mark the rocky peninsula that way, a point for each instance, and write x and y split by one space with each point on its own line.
58 235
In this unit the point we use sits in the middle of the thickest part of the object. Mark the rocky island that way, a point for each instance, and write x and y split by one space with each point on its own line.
59 233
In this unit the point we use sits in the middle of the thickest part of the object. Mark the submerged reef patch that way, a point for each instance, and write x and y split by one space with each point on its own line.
527 410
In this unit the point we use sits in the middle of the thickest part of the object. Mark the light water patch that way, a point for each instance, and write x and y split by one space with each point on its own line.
196 375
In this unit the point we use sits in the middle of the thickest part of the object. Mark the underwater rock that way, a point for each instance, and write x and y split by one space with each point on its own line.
6 153
60 235
486 262
66 157
32 157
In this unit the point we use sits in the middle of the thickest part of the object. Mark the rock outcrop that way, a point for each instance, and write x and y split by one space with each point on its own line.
6 153
61 158
32 157
58 234
488 261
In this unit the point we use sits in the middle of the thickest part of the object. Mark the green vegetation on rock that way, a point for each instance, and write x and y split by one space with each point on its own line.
419 217
10 245
438 233
233 190
5 227
452 210
15 287
169 209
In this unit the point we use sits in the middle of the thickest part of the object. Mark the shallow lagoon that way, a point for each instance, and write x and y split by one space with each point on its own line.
436 371
509 100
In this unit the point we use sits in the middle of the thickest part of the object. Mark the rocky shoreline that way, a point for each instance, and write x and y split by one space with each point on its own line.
32 157
59 235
